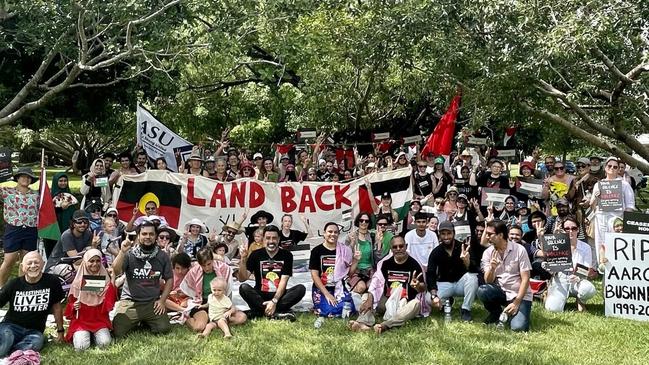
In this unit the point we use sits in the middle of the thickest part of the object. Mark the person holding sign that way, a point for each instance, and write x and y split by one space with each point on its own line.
447 274
94 185
92 296
506 269
574 283
611 196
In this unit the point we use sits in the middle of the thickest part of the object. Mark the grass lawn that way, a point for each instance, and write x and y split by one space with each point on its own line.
567 338
74 180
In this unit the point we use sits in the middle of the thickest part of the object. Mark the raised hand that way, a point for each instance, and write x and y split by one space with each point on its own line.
465 255
357 255
96 238
126 245
135 211
539 226
495 260
243 252
415 279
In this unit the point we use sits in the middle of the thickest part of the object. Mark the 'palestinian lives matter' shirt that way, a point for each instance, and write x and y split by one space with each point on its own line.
323 260
268 270
398 277
29 304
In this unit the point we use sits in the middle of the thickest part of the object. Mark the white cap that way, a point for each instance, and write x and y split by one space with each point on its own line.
257 155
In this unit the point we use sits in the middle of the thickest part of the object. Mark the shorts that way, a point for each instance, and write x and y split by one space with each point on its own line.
361 275
18 238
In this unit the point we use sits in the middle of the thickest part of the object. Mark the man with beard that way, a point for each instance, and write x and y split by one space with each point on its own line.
397 272
144 266
447 275
31 298
73 243
507 276
563 211
272 267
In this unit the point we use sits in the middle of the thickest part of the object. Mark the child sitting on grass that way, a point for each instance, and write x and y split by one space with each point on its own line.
220 308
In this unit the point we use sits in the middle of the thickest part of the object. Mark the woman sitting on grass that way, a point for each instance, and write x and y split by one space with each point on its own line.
92 296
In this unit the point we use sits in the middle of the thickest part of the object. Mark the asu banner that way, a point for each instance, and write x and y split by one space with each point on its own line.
182 197
158 140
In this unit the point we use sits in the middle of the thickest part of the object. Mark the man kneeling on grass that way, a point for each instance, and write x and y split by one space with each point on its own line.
141 300
397 286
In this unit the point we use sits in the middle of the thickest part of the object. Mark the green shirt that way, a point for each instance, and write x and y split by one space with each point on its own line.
366 254
387 237
207 279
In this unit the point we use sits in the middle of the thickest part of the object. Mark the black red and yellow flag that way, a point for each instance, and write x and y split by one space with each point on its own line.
166 196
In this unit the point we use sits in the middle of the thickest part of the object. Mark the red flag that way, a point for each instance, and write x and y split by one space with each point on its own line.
509 133
48 226
440 141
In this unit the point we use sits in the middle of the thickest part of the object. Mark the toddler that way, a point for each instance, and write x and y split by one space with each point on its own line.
219 307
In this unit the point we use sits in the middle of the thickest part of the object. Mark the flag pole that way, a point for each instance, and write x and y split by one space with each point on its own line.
42 158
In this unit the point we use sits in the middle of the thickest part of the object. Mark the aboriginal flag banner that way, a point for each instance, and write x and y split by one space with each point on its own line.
134 194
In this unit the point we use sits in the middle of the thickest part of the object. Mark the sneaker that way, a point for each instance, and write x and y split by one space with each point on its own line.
466 315
491 319
288 316
318 322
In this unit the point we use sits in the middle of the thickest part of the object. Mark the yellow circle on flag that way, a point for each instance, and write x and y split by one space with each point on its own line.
148 197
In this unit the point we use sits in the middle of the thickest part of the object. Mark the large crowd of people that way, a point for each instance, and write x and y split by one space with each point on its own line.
391 268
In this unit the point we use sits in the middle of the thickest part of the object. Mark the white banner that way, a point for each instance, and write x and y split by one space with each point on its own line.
626 287
182 197
158 140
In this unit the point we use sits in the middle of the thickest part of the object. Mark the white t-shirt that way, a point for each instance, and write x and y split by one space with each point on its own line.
582 255
628 196
420 247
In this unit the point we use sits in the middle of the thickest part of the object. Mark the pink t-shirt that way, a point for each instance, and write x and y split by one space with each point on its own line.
508 272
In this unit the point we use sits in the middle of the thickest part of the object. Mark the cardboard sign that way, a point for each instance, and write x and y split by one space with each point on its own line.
625 285
5 164
495 196
306 133
509 155
531 187
101 182
610 197
93 283
411 140
462 230
477 141
558 254
635 222
380 136
582 271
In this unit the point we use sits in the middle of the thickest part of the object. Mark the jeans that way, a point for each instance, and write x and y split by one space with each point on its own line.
81 339
14 337
466 287
255 299
561 288
494 299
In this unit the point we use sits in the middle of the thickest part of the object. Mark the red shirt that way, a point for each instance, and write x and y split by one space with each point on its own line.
90 318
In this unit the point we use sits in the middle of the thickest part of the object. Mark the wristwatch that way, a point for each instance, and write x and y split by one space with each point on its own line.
274 300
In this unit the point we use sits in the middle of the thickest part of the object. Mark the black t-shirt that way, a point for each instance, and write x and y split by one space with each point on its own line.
475 251
423 185
444 267
293 238
398 276
487 181
467 189
269 270
29 304
323 260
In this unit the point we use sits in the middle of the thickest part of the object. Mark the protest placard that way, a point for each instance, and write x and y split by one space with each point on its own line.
558 254
412 139
380 136
507 154
477 141
462 230
610 197
93 283
495 196
5 164
531 187
626 284
635 222
306 133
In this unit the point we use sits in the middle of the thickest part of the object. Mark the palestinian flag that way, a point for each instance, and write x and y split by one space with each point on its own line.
48 225
396 182
137 193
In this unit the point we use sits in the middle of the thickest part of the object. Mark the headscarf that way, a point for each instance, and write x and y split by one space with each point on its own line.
89 298
63 216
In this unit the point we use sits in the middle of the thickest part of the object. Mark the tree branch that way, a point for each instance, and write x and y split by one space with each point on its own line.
611 66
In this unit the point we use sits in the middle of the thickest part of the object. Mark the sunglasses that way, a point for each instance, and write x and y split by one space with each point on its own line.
382 224
558 168
81 221
363 221
571 229
581 166
398 247
452 194
149 209
111 215
164 237
613 167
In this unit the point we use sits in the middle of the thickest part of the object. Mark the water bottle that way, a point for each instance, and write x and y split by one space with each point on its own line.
318 322
347 309
447 310
501 321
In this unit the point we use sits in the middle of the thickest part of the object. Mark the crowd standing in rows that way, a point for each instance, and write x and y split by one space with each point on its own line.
388 270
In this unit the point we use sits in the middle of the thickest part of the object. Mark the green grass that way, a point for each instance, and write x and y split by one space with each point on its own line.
566 338
74 180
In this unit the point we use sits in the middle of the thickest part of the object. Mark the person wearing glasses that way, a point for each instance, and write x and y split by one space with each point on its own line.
627 200
493 178
582 190
150 212
397 277
73 243
565 284
556 187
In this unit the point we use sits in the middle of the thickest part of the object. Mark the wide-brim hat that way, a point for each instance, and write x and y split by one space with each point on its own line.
527 164
452 189
262 213
172 233
196 222
534 214
195 157
27 172
234 226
